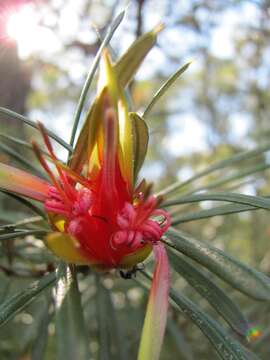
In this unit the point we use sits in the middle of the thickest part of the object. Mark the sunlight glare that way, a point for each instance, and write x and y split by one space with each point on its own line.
23 27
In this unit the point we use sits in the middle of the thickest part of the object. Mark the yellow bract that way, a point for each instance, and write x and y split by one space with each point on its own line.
66 248
137 257
109 81
124 70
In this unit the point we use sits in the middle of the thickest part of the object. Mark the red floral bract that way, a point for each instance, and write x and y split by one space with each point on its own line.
107 221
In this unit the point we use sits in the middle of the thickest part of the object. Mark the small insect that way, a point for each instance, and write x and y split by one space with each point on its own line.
132 272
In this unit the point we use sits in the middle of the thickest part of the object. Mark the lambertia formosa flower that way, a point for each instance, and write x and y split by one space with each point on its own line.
99 214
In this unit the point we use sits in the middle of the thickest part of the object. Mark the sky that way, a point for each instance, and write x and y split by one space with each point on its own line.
34 35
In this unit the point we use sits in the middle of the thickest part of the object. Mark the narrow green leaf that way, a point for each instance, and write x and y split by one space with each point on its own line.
125 69
114 57
15 234
226 347
31 123
129 63
102 318
257 201
116 328
16 140
26 203
211 292
39 346
8 214
116 22
183 347
71 337
141 137
164 88
245 279
20 142
20 159
31 222
227 179
10 307
245 155
216 211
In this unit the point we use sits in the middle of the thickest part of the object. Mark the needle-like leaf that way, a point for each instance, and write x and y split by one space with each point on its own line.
164 88
245 155
11 306
33 124
117 21
211 292
72 340
257 201
245 279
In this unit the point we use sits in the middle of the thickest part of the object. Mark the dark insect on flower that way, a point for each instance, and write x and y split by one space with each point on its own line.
129 274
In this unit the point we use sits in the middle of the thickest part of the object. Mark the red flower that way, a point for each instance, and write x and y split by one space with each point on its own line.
104 219
98 216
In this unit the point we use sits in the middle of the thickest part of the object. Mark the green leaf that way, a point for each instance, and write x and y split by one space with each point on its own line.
164 88
31 123
10 307
211 292
21 142
245 155
245 279
183 347
129 63
26 203
141 137
226 347
39 346
216 211
227 179
115 327
125 69
103 322
16 140
72 340
257 201
20 159
116 22
27 223
15 234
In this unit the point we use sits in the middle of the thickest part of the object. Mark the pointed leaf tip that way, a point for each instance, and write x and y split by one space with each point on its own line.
140 141
130 61
158 28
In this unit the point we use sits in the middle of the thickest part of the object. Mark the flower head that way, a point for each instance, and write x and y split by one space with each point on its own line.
98 212
110 222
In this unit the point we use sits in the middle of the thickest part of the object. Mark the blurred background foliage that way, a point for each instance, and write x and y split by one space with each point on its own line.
219 107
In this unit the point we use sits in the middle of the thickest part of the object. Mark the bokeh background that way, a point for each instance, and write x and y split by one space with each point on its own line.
220 106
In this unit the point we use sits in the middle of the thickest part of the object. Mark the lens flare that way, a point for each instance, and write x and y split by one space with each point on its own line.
253 333
22 26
